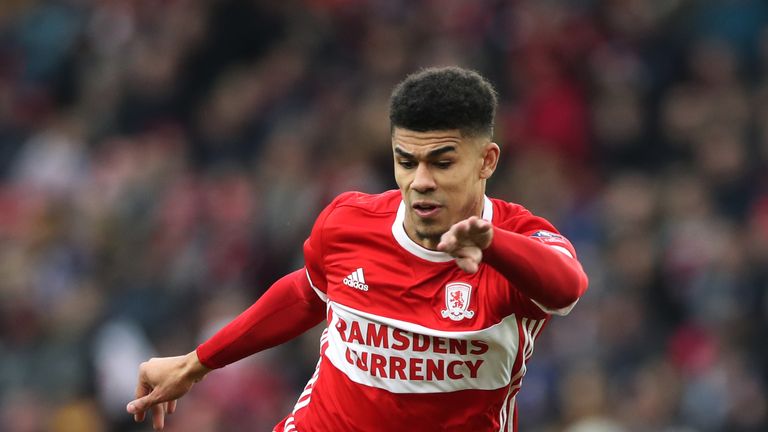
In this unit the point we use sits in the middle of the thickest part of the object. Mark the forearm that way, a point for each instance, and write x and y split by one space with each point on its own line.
286 310
542 273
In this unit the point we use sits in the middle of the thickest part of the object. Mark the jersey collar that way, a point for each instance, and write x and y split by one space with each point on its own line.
398 231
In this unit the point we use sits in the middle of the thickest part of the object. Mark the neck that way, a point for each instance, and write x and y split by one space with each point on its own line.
425 241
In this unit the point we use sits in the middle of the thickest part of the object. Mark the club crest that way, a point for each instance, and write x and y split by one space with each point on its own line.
457 295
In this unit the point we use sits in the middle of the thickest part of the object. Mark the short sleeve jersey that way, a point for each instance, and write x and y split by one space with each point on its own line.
413 342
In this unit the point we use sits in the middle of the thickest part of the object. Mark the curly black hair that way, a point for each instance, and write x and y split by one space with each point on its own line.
444 98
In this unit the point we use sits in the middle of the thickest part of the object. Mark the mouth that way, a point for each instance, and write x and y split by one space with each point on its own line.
426 209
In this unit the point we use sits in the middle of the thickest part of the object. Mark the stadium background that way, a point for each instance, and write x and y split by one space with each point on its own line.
161 163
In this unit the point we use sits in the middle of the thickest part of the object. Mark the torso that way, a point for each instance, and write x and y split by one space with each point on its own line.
413 342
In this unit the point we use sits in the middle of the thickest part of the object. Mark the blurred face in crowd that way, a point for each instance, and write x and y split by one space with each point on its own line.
441 175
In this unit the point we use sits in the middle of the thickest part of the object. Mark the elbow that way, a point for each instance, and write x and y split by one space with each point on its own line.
574 287
578 286
570 283
561 303
581 285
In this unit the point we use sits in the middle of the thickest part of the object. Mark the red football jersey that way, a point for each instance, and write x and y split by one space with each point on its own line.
413 342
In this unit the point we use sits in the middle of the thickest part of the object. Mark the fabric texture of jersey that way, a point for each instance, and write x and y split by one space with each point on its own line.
413 342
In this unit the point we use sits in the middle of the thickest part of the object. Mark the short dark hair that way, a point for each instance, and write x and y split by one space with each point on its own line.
444 98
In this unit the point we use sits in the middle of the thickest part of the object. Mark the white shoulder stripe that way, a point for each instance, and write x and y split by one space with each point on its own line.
320 294
562 249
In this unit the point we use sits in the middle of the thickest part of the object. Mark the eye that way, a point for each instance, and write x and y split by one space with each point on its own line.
407 164
444 164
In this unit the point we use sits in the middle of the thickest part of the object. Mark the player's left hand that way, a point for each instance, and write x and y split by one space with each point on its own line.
465 241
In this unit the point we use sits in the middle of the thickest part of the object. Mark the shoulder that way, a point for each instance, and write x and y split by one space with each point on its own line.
516 218
358 209
354 215
383 203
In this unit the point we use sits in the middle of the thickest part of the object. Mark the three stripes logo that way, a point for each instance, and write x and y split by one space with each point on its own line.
356 280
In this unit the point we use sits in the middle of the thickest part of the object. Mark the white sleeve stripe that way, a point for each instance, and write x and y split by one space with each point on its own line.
320 294
561 249
562 311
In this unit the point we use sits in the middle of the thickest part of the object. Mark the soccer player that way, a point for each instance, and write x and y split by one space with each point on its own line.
433 294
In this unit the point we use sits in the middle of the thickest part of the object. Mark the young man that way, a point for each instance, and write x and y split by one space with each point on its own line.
434 294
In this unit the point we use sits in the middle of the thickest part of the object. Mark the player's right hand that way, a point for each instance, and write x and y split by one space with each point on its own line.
161 382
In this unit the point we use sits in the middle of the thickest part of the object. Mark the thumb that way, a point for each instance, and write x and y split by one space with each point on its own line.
141 404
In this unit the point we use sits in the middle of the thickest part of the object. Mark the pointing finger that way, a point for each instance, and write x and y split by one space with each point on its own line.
140 406
137 406
447 242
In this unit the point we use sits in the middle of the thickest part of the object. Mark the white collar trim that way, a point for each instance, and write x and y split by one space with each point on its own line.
414 248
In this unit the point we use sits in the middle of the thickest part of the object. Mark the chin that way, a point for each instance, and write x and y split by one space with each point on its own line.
430 231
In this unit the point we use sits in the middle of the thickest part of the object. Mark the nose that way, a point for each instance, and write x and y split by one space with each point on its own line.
423 181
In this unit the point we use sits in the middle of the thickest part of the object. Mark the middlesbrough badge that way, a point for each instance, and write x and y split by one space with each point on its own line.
457 295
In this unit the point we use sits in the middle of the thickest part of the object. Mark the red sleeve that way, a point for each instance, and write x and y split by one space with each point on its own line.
541 265
288 308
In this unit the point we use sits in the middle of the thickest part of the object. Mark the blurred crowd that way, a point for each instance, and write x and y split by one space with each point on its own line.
161 163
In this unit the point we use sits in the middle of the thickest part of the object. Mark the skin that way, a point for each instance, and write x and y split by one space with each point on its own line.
444 171
162 381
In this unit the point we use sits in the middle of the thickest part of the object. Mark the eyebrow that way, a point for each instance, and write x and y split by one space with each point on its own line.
432 154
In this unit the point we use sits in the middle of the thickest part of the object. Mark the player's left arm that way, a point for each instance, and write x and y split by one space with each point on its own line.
546 272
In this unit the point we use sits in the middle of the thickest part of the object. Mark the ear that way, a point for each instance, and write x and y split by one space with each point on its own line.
490 160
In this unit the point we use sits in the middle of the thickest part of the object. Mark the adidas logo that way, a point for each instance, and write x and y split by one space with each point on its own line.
356 280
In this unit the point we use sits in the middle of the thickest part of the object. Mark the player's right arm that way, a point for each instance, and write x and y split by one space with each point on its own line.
288 308
291 306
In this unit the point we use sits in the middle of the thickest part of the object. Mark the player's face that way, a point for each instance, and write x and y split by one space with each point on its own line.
441 175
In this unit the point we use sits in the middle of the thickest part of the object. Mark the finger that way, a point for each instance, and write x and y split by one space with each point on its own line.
172 406
448 242
136 407
468 259
142 390
158 416
480 232
467 264
463 233
461 229
139 416
478 225
472 230
469 252
139 407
